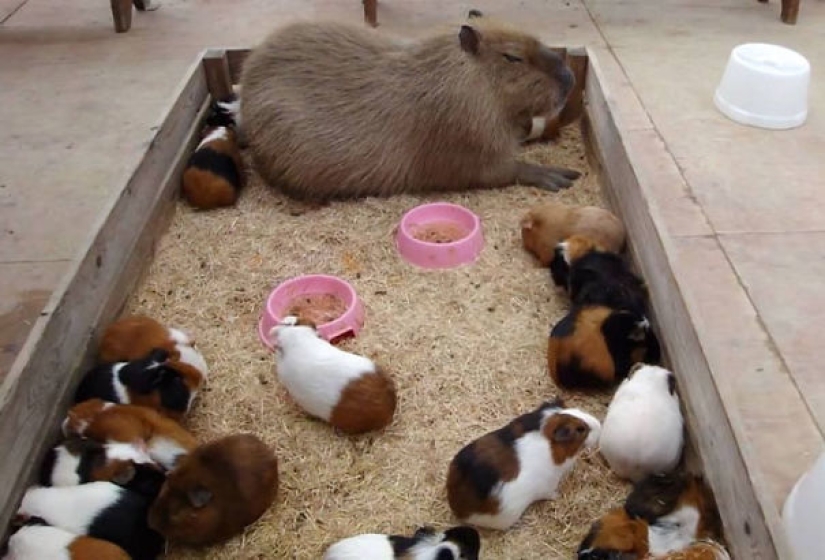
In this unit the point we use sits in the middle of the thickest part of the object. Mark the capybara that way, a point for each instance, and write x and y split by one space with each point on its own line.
332 110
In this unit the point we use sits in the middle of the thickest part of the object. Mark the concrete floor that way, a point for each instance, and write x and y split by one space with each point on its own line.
80 103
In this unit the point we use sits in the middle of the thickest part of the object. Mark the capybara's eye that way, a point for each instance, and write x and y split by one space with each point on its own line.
512 57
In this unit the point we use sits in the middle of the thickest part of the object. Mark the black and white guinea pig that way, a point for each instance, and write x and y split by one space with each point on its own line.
594 346
38 541
494 479
457 543
98 509
347 390
593 276
151 381
81 460
214 174
643 431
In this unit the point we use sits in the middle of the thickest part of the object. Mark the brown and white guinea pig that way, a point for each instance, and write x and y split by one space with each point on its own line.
135 336
214 174
152 381
676 494
643 431
98 509
594 346
615 536
163 439
347 390
667 516
81 460
38 541
594 276
456 543
493 480
216 491
546 225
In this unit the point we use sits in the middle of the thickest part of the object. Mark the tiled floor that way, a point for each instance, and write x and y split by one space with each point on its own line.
79 103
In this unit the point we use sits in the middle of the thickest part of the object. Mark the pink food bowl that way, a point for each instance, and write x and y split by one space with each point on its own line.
437 224
282 297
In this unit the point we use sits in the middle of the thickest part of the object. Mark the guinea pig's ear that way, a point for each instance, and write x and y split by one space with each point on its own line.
158 355
423 532
470 39
199 496
125 475
671 383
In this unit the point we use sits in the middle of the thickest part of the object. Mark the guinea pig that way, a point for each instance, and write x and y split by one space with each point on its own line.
216 491
347 390
39 541
594 346
214 174
163 439
699 550
152 381
492 481
546 225
81 460
457 543
615 536
98 509
643 431
594 276
660 496
135 336
443 113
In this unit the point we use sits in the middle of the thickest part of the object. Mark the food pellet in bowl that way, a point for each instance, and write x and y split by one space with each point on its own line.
440 232
318 308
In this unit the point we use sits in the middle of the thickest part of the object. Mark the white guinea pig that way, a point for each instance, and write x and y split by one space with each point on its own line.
494 479
98 509
457 543
347 390
643 431
42 542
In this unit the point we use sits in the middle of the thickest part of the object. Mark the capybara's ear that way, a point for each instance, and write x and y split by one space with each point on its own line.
474 13
470 39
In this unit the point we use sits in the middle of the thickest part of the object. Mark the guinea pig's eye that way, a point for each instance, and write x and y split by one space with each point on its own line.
512 57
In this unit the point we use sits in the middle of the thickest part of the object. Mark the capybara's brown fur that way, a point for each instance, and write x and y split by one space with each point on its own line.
332 110
216 491
366 403
547 224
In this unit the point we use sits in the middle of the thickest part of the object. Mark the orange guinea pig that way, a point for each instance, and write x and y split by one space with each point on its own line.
216 491
547 224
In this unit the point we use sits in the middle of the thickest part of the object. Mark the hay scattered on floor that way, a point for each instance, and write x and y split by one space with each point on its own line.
466 348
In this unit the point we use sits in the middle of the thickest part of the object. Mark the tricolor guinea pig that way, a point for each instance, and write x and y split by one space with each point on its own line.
151 381
214 174
347 390
660 499
594 346
699 550
546 225
643 431
492 481
594 276
457 543
98 509
135 336
615 536
216 491
38 541
81 460
163 439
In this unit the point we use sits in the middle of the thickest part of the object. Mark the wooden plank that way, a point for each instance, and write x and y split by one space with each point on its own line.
218 77
36 392
712 428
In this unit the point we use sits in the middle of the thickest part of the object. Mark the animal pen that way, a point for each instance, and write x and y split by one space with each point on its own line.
38 390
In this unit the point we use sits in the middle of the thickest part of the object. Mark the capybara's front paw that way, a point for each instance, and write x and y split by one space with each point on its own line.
548 178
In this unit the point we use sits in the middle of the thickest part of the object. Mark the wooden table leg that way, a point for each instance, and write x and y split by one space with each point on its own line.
371 12
790 11
122 15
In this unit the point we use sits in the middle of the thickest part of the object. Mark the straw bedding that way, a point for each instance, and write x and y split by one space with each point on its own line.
466 348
